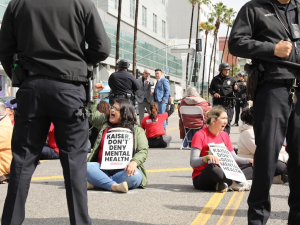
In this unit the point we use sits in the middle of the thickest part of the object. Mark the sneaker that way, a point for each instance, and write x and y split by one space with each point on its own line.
244 186
90 186
123 187
284 178
222 187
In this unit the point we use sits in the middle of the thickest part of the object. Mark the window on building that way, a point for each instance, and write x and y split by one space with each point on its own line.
144 16
132 9
116 4
154 23
163 29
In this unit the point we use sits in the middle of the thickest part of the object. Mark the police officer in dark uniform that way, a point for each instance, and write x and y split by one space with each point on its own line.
122 83
49 38
222 88
241 97
267 31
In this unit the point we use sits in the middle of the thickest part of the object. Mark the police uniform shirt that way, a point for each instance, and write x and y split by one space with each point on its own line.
122 83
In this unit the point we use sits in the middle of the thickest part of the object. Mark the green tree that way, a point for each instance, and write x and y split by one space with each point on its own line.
135 37
234 70
118 32
207 27
228 16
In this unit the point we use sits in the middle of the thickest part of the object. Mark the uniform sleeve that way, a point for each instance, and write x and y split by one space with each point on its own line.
98 42
242 42
212 88
8 41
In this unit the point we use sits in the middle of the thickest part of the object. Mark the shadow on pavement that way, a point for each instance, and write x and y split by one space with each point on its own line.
65 221
173 187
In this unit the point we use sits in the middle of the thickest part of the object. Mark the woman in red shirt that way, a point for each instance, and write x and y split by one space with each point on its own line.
155 131
207 175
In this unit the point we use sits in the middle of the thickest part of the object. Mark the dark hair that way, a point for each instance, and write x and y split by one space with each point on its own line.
158 70
128 117
103 107
247 115
214 113
153 111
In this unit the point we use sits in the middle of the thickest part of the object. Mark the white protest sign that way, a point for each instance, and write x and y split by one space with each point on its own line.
117 149
231 170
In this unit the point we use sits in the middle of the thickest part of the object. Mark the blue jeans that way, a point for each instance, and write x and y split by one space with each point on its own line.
106 178
188 141
162 109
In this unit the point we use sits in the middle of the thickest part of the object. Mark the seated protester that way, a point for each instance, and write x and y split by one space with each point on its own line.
192 98
102 107
207 175
10 111
134 175
153 124
50 150
6 129
246 149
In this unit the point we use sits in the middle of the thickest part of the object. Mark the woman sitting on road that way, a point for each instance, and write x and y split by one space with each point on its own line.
207 175
153 124
134 175
246 149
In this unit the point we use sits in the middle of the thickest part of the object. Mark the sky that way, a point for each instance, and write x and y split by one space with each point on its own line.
236 5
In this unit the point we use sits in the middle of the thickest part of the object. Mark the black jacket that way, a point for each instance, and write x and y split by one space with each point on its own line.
242 89
50 37
256 31
122 83
224 86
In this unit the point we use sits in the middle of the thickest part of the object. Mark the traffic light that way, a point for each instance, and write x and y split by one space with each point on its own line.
199 45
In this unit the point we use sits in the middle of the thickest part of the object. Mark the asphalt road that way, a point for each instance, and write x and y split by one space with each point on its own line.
169 198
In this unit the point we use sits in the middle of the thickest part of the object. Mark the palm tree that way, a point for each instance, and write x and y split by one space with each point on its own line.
207 27
229 14
205 2
135 37
118 32
193 2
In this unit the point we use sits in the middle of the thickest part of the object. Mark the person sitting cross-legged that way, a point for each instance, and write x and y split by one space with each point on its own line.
153 124
207 175
122 115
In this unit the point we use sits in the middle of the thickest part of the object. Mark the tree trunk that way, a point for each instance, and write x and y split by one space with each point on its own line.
215 56
135 38
211 58
118 32
225 43
197 33
202 91
188 56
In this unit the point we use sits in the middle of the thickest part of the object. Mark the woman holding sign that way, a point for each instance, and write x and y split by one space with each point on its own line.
207 174
153 124
121 148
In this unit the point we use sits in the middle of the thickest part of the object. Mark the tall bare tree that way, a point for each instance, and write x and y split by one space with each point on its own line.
135 36
118 32
207 27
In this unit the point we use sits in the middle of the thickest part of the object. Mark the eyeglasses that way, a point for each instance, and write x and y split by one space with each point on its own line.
146 73
114 108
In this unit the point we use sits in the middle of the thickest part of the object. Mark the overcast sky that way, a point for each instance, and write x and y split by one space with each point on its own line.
236 5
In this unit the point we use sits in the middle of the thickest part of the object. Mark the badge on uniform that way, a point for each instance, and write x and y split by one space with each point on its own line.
228 82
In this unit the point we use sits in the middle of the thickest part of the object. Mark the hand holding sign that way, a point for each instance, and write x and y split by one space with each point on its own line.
213 159
131 168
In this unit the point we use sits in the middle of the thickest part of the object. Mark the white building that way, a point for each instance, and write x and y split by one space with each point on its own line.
179 14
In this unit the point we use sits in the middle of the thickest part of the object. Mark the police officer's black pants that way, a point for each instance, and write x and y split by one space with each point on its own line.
275 117
230 112
238 106
41 101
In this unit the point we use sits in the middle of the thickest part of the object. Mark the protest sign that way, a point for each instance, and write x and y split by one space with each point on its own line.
231 170
117 149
